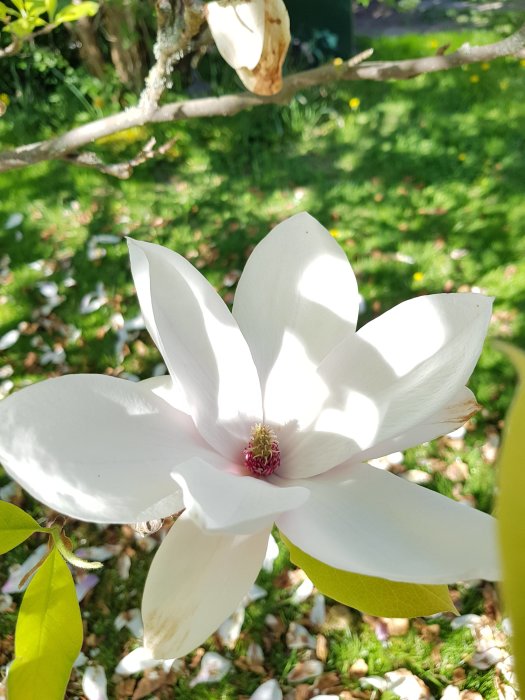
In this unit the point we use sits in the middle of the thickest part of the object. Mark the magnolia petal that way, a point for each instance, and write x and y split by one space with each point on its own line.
297 297
381 389
238 31
195 582
374 523
451 417
267 76
239 504
201 345
98 448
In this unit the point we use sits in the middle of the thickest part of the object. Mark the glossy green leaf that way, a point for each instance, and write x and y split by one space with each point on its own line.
48 634
15 526
372 595
510 511
71 13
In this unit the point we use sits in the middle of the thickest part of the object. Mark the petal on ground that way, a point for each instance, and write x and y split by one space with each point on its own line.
297 280
377 524
98 448
222 502
195 582
201 345
394 374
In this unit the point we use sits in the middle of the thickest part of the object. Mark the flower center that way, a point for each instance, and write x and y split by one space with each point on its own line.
262 455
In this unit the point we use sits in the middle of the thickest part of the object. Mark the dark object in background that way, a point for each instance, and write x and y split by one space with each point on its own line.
321 30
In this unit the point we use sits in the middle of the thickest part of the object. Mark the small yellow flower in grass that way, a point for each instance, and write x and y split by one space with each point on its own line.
522 63
337 62
434 44
334 232
354 103
503 84
485 66
462 157
5 98
474 78
418 276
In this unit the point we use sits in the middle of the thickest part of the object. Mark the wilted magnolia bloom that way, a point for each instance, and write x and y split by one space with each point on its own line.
269 414
253 37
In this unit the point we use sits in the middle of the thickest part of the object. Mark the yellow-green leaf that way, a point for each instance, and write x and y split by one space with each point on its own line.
51 7
72 13
15 526
510 511
372 595
48 634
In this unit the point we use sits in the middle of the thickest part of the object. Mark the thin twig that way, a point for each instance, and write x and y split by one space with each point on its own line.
123 170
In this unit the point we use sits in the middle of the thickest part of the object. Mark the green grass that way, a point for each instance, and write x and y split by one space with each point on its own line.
420 169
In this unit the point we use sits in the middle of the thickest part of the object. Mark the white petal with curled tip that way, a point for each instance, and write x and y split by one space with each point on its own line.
201 344
238 31
297 281
377 524
241 504
380 388
444 421
195 582
98 448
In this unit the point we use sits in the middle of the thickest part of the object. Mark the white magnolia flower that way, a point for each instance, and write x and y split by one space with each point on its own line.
269 413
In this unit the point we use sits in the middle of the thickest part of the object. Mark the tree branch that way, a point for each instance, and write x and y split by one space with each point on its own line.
353 69
176 27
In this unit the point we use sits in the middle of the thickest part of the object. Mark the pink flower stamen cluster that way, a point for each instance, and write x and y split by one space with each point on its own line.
262 455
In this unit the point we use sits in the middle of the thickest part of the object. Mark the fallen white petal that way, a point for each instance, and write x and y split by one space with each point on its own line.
101 553
304 670
255 654
131 619
302 592
213 668
318 610
94 683
298 637
471 621
230 629
18 571
85 584
138 660
255 593
9 339
269 690
13 220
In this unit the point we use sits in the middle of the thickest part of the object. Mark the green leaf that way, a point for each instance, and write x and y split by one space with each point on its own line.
510 511
15 526
48 634
70 13
51 8
372 595
24 26
5 12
